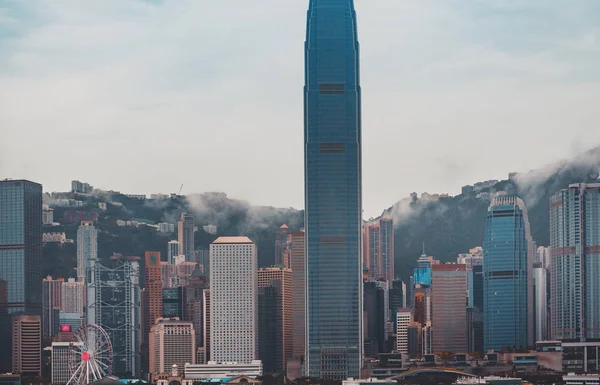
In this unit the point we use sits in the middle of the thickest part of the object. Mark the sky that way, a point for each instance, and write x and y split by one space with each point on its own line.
144 96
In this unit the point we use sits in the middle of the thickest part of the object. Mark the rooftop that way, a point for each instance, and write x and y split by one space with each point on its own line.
225 240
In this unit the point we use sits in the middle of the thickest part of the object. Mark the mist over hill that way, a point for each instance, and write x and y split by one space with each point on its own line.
448 225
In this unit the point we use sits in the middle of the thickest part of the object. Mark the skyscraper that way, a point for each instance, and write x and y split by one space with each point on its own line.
51 289
507 287
113 303
386 237
540 301
87 249
281 245
375 305
378 243
277 282
172 251
298 263
72 297
333 199
233 305
575 263
21 245
185 233
27 345
172 342
152 295
449 308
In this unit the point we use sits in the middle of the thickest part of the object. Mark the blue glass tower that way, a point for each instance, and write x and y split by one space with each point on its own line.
507 263
332 145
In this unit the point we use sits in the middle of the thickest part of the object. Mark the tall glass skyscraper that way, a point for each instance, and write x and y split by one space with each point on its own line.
87 250
507 287
333 200
575 263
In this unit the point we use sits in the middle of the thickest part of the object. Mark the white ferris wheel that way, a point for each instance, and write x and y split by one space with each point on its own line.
90 355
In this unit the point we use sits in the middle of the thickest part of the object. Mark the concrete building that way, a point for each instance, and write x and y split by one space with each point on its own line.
20 256
541 301
298 261
185 232
575 265
206 328
60 363
152 295
449 308
280 280
51 304
215 370
27 345
173 250
81 187
172 342
281 245
72 297
233 302
404 317
378 244
47 217
375 304
87 249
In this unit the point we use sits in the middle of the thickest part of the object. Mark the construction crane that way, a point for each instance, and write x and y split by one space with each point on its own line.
180 188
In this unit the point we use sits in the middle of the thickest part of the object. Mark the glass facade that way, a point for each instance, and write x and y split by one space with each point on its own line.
172 302
575 263
506 267
21 245
332 138
87 249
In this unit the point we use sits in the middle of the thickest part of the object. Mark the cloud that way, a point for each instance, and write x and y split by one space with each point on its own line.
209 94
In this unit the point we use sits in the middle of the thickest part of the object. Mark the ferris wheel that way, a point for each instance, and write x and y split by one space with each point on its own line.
90 355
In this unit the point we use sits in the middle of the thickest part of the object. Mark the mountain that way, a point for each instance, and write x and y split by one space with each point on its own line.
448 225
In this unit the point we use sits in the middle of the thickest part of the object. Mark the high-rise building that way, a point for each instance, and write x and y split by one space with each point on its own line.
72 297
172 342
21 245
507 262
87 249
281 245
168 275
280 280
152 296
298 263
61 374
449 308
51 304
397 294
173 250
475 286
233 302
207 324
193 307
185 233
173 302
541 301
333 198
20 257
374 304
386 237
371 246
575 263
27 345
543 255
378 243
474 330
113 303
404 317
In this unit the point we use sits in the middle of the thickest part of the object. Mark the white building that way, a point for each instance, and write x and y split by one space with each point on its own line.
233 304
223 370
172 251
581 379
210 229
87 249
72 297
403 318
47 216
543 256
165 227
172 342
60 363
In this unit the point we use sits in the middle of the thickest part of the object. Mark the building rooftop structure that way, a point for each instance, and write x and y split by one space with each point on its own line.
222 240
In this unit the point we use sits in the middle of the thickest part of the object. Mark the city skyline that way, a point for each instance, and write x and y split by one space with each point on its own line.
434 61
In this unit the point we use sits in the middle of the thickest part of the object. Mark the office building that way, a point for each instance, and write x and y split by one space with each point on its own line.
333 197
113 303
183 272
172 342
47 217
152 298
60 363
414 339
51 303
168 276
544 256
404 317
72 297
185 233
378 244
207 324
541 301
173 250
281 245
87 249
575 263
298 260
449 308
507 263
275 313
173 302
216 371
193 307
27 345
374 304
73 320
233 302
473 258
20 256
